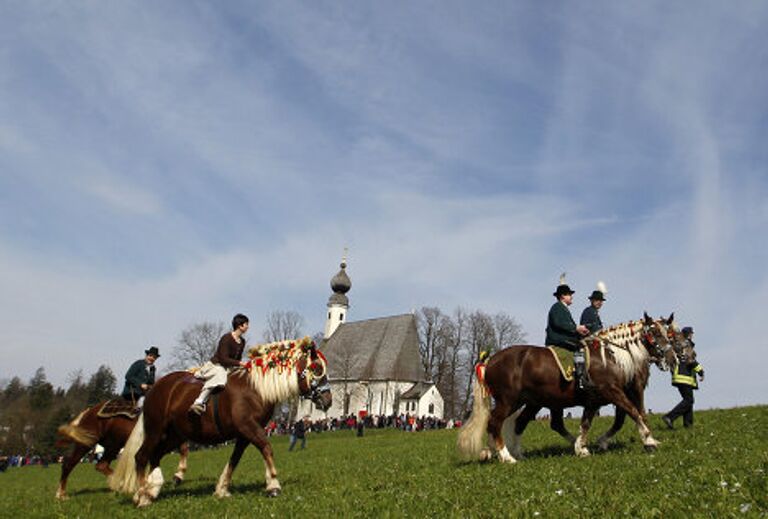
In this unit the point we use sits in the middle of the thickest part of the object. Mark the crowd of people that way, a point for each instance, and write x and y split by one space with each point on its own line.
404 422
19 460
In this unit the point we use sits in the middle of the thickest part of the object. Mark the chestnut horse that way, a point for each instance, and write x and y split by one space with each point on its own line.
680 346
523 379
276 372
111 432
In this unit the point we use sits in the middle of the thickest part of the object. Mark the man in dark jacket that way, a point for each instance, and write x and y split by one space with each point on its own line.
562 330
684 379
299 433
140 377
590 317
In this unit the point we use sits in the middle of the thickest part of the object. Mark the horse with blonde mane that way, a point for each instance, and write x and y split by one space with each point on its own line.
523 379
108 424
275 372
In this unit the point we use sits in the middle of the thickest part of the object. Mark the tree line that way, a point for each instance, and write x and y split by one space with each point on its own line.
449 345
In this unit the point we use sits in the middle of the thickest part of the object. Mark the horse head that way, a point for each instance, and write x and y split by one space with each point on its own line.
682 348
313 377
659 338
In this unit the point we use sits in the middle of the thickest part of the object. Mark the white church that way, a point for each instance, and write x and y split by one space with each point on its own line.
373 365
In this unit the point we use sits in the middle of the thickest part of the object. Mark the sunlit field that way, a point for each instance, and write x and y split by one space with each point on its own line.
717 469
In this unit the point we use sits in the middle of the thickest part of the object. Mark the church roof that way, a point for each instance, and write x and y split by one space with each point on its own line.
417 391
386 348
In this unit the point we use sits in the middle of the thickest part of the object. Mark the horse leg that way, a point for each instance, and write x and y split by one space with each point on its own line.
181 470
515 425
557 425
254 433
110 453
148 485
618 423
495 438
580 446
222 487
70 462
620 399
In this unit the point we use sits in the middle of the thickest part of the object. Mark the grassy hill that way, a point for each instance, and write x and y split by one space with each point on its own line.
717 469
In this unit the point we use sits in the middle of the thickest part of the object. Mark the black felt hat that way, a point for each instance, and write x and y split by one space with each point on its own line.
563 290
597 296
152 351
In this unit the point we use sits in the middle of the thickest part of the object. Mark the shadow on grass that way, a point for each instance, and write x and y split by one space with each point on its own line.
550 452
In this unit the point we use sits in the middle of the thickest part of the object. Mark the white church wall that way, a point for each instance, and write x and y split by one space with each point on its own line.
431 403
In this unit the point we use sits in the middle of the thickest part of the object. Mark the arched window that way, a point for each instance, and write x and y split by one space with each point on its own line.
431 408
341 317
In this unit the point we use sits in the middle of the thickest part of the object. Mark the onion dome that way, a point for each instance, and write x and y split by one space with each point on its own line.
340 284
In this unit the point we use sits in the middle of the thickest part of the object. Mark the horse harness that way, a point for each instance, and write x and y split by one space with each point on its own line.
313 381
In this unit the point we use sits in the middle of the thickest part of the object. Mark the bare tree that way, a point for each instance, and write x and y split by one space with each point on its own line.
507 331
450 374
429 321
480 336
283 325
344 361
197 344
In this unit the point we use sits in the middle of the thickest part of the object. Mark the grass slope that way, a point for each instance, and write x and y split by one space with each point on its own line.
718 469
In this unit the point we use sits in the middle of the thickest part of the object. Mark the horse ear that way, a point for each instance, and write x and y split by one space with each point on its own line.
646 318
671 318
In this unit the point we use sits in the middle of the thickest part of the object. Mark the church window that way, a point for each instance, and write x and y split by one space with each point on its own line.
431 408
341 317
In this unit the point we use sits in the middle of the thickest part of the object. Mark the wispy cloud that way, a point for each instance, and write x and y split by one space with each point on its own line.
165 164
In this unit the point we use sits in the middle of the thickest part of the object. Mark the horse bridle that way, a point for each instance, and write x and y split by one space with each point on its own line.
651 343
317 384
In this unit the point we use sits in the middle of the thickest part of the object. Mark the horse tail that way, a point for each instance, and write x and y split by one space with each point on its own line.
72 432
470 441
125 478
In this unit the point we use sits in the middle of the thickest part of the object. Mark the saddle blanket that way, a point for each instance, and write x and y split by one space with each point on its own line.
564 360
118 407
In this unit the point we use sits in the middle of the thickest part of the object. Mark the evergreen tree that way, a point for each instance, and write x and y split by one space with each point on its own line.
40 391
101 385
15 389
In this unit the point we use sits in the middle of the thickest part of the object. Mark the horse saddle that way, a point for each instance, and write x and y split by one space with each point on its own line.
118 407
564 361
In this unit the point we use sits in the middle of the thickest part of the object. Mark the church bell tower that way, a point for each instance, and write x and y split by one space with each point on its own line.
338 303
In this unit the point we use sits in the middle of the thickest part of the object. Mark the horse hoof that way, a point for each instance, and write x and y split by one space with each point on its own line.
273 493
486 455
650 448
143 502
61 496
177 480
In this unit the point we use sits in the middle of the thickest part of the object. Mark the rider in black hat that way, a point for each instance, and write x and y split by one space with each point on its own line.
140 377
590 317
562 330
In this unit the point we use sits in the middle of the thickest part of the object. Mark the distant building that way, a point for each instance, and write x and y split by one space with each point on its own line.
373 365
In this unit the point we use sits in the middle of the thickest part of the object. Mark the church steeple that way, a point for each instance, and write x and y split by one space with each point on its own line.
338 303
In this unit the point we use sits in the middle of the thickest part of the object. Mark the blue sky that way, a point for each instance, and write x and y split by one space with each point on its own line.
166 163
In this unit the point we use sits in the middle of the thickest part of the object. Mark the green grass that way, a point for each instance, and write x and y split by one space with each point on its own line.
717 469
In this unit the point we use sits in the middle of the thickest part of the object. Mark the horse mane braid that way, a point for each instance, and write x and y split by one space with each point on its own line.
624 342
273 368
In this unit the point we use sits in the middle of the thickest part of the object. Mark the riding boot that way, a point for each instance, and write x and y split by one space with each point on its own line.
578 367
198 407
